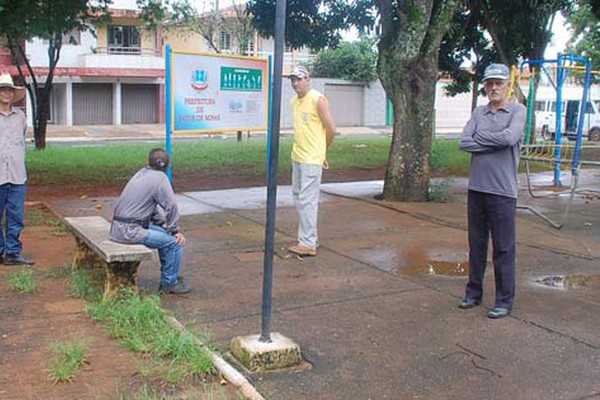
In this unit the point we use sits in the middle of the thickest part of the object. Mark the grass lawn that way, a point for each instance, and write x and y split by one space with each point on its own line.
117 162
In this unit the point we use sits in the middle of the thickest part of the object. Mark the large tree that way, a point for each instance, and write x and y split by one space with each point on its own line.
411 33
407 66
51 21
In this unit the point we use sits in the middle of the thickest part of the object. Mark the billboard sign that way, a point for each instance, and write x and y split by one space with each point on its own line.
218 93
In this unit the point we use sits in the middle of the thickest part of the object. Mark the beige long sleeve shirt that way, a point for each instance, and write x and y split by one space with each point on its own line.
12 147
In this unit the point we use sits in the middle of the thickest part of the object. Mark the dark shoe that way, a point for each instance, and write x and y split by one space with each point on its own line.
178 288
302 250
17 259
498 312
468 303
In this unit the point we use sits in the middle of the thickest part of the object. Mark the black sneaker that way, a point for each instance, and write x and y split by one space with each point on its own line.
498 312
178 288
466 303
17 259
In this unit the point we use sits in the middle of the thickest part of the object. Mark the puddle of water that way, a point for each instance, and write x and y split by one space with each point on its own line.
563 281
414 262
418 261
445 268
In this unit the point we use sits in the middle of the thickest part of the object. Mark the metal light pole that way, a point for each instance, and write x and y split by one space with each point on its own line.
267 304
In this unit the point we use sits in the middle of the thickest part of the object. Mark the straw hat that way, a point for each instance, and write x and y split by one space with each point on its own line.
7 81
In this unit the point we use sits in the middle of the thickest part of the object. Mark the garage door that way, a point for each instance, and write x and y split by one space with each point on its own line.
139 104
347 103
92 104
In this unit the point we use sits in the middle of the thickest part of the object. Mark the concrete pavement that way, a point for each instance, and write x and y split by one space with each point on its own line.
375 312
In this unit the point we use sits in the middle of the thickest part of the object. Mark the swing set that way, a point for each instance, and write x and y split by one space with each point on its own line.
558 154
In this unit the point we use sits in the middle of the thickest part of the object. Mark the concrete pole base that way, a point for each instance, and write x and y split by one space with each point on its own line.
257 356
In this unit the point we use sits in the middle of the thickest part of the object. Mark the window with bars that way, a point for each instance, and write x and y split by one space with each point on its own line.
224 40
123 39
250 47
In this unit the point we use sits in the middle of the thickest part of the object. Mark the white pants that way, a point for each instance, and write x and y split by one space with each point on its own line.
306 181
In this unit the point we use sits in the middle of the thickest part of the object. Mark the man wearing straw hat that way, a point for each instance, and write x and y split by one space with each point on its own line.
13 176
493 137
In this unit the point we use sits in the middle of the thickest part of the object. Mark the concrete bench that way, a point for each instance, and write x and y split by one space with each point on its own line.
96 250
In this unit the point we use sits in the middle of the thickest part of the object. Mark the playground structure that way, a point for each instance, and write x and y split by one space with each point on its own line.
557 154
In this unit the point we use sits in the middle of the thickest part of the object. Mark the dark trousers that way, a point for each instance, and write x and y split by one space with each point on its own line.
489 213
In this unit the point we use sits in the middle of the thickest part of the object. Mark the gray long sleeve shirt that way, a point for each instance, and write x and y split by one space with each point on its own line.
493 138
147 190
12 147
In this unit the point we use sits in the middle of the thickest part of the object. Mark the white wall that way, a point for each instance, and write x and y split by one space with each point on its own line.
452 113
374 112
37 51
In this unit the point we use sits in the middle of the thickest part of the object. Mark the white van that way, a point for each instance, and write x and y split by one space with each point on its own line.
545 115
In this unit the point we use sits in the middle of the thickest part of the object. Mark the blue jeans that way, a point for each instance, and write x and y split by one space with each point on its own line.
12 201
169 253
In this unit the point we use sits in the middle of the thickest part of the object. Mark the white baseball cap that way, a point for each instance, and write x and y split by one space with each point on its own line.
300 72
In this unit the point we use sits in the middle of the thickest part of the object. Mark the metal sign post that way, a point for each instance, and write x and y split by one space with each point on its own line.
168 108
267 304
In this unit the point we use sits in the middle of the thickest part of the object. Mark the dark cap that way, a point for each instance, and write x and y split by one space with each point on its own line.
496 71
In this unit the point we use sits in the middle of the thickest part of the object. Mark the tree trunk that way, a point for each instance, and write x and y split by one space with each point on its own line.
411 33
474 93
410 84
40 121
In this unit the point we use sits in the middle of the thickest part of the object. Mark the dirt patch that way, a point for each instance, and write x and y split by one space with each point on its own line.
188 181
31 323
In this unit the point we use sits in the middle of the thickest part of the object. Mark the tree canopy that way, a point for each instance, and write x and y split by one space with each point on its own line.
353 61
313 23
584 21
506 31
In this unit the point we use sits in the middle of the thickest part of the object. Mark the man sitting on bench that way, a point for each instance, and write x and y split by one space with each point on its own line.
149 195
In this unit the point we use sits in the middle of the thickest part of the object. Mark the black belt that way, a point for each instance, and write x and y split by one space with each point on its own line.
145 223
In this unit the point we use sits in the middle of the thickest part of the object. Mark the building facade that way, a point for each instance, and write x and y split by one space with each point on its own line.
116 74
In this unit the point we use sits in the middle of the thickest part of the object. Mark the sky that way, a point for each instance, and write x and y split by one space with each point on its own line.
559 38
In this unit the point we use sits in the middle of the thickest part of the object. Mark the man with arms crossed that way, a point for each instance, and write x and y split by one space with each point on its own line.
314 130
493 137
